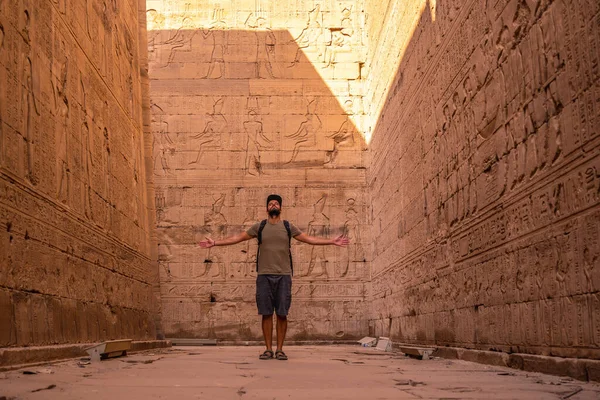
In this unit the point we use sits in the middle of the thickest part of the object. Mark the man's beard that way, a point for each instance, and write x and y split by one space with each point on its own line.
274 212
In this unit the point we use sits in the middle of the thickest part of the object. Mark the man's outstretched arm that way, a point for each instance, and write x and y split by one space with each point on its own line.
338 241
240 237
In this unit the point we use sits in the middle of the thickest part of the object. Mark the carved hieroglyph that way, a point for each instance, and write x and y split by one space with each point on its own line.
251 98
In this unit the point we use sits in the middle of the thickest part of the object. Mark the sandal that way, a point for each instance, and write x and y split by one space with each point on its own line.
267 355
280 355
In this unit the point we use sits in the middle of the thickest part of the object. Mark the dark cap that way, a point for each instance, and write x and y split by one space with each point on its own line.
274 197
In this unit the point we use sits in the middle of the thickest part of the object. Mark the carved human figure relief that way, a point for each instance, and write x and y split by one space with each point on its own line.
165 253
107 183
310 35
318 226
155 24
211 134
256 141
354 249
62 113
218 40
215 226
30 110
216 34
86 148
87 167
344 137
266 41
340 39
249 220
181 41
163 147
305 135
137 186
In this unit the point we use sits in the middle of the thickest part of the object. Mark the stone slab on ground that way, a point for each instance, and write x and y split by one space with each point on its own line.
423 353
579 368
312 372
193 342
11 358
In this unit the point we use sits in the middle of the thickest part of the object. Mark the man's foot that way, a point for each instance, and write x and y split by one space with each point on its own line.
267 355
280 355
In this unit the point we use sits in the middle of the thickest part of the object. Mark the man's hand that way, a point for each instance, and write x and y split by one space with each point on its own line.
341 241
207 244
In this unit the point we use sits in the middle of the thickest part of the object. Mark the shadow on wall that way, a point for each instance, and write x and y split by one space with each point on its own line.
250 101
482 135
245 110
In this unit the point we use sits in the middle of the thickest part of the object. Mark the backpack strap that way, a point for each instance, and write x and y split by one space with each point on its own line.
260 229
259 237
289 232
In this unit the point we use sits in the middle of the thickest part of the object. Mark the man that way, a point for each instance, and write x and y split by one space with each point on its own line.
274 280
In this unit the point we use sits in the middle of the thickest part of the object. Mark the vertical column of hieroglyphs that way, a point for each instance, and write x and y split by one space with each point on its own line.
74 261
250 98
486 177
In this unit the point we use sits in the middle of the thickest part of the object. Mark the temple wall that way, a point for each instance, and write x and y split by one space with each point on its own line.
75 242
251 98
484 175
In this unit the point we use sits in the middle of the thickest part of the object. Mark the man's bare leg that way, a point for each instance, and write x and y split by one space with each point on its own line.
281 330
267 328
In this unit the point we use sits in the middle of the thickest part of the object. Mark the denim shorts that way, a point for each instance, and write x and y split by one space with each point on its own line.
273 293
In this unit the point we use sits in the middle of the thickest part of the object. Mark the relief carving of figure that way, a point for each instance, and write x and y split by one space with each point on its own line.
181 41
341 39
30 110
318 226
210 135
215 224
163 146
266 64
217 35
249 220
354 249
305 135
309 37
87 164
87 161
107 182
256 142
62 112
155 24
344 137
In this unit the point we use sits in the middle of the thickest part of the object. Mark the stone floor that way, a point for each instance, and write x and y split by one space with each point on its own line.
312 372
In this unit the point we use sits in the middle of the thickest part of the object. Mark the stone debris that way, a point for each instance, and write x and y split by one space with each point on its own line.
52 386
384 344
368 341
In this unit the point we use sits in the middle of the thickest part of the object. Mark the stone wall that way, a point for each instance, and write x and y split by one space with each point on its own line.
75 243
251 98
485 176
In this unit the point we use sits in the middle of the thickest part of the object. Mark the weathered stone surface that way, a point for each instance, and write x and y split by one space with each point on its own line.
75 239
484 176
249 99
338 372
